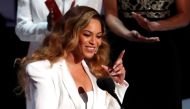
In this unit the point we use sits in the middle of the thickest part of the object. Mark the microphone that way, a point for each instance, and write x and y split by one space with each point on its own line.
83 95
108 85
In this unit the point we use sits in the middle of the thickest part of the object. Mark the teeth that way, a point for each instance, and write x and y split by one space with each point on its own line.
91 48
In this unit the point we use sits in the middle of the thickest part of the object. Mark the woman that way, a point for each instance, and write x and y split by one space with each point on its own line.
62 73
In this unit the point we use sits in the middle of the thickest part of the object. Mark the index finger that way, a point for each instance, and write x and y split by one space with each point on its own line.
121 54
119 59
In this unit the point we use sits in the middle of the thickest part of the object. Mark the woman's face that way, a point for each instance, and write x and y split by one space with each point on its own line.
90 38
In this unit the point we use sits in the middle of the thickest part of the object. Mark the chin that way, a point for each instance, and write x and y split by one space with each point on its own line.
89 56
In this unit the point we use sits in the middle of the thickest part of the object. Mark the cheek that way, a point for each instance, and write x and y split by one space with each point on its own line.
82 41
99 42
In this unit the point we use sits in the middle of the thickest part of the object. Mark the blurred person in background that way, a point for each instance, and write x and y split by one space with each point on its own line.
154 70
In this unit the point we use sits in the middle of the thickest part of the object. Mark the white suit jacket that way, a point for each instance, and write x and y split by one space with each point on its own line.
53 88
32 15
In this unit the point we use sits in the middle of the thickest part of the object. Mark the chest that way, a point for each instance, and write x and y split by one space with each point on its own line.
81 78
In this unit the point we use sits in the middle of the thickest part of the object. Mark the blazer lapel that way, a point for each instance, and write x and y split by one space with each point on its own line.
70 85
93 80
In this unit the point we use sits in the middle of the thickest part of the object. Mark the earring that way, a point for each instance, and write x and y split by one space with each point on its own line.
96 50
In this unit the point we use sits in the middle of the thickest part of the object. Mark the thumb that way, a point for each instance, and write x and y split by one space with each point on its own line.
106 68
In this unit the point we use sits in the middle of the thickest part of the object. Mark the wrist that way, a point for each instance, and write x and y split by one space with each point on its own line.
123 84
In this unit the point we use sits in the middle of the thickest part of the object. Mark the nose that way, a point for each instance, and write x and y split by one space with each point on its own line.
93 40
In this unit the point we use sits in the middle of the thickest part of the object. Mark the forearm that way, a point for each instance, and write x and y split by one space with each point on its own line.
120 92
28 31
29 28
172 23
116 26
121 89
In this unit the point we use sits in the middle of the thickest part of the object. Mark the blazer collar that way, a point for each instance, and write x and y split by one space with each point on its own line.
70 85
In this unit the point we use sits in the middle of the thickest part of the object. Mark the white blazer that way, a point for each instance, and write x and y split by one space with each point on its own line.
54 88
32 15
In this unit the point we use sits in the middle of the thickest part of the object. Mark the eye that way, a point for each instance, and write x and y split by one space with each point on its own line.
99 36
86 33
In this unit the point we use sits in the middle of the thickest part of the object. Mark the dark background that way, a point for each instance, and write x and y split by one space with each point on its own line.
11 48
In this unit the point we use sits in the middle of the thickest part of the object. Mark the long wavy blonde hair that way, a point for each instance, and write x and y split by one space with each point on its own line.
64 38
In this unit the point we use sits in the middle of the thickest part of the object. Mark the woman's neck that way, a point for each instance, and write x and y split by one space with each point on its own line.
73 59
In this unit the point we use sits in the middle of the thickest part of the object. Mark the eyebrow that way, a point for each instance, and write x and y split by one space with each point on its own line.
92 32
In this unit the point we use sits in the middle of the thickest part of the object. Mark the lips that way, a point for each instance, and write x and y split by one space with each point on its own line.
90 48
